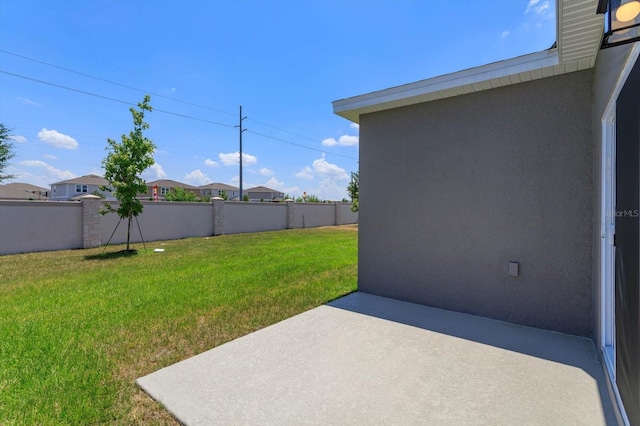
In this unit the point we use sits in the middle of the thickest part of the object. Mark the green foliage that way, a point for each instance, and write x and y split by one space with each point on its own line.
98 194
354 190
312 198
224 195
245 197
6 151
180 194
77 327
125 162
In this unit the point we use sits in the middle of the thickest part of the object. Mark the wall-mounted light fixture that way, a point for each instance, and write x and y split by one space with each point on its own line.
621 20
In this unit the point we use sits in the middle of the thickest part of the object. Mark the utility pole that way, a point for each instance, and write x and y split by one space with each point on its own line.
241 131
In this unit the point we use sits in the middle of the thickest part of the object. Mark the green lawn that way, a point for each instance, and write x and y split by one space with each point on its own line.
78 327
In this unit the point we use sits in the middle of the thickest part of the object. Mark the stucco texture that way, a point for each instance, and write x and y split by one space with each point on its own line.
476 181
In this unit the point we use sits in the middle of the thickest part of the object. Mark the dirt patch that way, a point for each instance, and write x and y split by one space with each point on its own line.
351 227
147 411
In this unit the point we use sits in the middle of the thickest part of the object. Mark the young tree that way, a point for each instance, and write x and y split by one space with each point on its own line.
6 151
124 163
354 190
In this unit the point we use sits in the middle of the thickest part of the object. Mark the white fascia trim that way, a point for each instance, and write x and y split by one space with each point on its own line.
521 64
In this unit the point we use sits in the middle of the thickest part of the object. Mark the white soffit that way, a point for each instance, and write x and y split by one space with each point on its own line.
579 35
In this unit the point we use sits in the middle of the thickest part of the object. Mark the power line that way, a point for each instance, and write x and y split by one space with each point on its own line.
157 94
109 98
282 130
169 112
299 145
113 82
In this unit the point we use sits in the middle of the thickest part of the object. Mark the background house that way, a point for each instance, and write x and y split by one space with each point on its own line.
23 191
263 193
77 187
216 189
167 185
506 170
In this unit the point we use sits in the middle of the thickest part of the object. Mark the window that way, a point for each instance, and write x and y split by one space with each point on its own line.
82 188
164 191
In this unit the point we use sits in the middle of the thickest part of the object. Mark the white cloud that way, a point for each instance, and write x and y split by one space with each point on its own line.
326 169
233 158
197 178
330 189
28 101
18 138
344 140
235 181
51 173
355 126
531 5
154 172
538 8
57 139
266 172
50 157
332 185
210 163
274 183
329 142
305 173
347 140
505 33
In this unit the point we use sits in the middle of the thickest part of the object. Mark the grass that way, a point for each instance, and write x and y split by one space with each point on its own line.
78 327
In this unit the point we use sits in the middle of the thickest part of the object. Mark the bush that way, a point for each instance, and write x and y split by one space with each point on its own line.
179 194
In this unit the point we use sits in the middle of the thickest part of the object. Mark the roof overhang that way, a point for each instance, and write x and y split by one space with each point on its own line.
579 35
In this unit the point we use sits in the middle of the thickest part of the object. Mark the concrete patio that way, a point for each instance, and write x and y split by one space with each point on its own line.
364 359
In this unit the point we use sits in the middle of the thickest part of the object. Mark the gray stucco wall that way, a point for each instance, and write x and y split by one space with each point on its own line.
480 180
345 214
39 226
162 220
311 215
607 73
240 217
27 226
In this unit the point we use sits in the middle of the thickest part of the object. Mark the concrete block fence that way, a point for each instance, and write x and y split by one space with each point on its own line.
29 226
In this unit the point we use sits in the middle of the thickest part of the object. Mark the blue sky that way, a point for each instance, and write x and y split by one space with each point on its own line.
283 61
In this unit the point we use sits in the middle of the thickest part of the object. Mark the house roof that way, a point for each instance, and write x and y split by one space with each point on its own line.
219 186
262 189
168 183
9 192
85 180
579 32
26 187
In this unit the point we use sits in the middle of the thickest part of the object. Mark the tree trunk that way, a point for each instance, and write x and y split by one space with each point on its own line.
128 231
